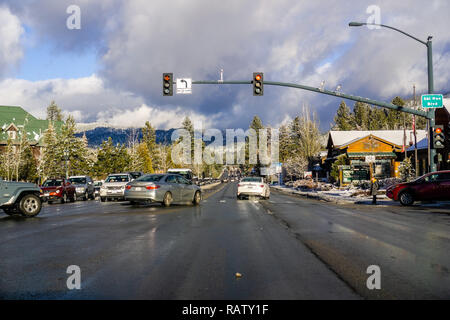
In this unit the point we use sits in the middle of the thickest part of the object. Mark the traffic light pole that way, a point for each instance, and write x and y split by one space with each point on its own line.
431 112
330 93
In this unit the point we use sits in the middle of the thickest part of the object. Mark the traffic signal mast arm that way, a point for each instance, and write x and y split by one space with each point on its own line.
323 91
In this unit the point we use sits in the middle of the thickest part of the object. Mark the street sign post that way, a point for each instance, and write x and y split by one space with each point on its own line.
184 86
432 101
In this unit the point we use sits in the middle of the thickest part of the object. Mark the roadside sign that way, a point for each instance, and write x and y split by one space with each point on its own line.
370 159
432 101
184 86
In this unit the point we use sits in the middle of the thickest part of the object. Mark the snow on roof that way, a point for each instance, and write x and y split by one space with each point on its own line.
447 104
340 138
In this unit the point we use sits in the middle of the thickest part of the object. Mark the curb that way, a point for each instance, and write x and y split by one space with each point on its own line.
316 196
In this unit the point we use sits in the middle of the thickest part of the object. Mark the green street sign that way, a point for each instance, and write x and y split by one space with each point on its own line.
432 101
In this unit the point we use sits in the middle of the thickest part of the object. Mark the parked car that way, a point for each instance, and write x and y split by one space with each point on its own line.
163 188
20 197
253 186
114 186
57 190
97 185
84 187
432 186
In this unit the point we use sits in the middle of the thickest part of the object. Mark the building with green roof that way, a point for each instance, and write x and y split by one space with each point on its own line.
15 118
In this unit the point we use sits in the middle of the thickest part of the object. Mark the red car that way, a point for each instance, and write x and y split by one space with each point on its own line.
58 190
432 186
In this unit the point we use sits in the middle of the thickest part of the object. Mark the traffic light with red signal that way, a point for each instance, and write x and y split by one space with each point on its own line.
167 84
258 84
438 137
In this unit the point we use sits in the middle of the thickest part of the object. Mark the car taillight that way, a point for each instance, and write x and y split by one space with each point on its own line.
152 187
262 186
128 187
239 185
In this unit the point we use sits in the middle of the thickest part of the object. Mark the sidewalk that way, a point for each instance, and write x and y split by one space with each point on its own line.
345 197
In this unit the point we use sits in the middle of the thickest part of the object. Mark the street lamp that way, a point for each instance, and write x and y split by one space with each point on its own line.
431 111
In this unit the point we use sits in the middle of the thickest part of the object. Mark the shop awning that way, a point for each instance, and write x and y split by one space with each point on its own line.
376 154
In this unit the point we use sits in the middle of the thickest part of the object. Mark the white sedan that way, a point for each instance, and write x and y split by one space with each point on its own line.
253 186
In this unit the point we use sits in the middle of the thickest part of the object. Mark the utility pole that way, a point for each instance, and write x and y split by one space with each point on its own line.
416 160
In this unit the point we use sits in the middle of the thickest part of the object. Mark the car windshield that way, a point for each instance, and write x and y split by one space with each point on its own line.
117 178
52 183
135 175
185 174
151 178
251 179
78 180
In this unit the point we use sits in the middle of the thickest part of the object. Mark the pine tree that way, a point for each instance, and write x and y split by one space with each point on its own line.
54 112
284 143
343 119
71 149
111 159
256 125
144 155
52 163
26 166
340 161
149 138
360 116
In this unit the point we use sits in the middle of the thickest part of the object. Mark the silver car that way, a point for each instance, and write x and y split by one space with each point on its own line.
114 186
163 188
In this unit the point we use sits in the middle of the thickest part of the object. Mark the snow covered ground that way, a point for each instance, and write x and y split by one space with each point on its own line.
350 197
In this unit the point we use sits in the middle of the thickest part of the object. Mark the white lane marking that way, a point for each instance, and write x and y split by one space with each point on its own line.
223 201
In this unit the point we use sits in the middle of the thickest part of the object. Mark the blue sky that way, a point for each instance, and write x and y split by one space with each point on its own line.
43 61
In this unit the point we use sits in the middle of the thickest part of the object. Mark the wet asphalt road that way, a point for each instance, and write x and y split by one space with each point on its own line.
285 248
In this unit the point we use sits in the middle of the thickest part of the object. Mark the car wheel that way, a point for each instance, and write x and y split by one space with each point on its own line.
197 198
167 201
50 202
406 198
30 205
102 199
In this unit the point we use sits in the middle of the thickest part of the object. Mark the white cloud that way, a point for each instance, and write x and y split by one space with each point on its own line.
159 118
10 47
84 98
87 100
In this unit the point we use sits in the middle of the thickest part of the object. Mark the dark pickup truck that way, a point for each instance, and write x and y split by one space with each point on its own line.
20 197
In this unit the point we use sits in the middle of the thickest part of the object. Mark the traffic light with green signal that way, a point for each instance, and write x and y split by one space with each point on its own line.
438 137
167 84
258 85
